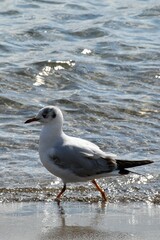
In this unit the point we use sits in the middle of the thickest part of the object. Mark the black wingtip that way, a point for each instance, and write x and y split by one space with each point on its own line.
122 164
150 161
147 162
124 172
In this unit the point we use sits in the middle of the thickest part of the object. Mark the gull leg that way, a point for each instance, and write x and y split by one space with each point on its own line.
104 197
61 192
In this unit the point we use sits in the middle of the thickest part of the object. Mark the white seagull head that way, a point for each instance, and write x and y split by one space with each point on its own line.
48 115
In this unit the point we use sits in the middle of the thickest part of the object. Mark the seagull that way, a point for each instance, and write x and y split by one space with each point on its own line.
74 159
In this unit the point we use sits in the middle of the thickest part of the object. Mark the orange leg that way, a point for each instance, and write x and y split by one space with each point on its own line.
60 194
104 197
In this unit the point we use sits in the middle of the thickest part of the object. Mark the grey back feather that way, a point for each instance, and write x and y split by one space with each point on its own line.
84 162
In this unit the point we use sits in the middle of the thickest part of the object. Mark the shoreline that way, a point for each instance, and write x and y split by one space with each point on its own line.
75 220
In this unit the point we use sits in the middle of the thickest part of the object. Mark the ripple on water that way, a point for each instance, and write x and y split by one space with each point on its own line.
125 189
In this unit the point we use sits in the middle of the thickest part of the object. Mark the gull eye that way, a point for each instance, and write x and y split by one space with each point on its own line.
53 115
44 115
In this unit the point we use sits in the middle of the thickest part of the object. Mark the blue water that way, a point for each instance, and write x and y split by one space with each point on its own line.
99 62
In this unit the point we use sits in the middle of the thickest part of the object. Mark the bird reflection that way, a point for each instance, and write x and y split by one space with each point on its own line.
73 221
60 207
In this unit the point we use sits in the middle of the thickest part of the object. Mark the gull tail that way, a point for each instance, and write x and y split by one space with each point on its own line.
123 164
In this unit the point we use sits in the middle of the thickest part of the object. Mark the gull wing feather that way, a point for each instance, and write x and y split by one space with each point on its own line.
83 159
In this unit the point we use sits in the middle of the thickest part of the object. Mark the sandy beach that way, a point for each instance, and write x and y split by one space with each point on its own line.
74 220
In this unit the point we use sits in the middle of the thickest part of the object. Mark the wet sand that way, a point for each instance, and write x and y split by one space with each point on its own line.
74 220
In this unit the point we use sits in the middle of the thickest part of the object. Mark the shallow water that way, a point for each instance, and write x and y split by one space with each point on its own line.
79 221
99 62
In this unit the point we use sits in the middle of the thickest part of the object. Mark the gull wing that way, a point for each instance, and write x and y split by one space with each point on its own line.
83 159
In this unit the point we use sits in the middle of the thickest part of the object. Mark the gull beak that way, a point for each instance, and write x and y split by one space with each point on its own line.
34 119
